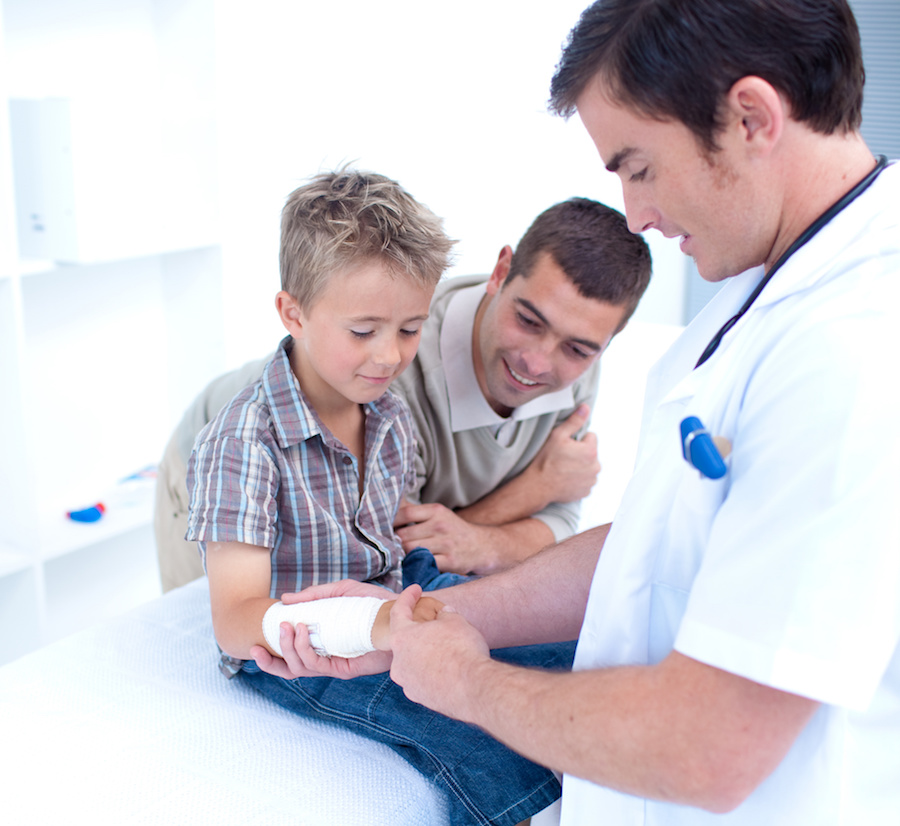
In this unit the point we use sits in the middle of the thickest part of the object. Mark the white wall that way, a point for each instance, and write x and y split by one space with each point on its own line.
95 372
448 98
251 99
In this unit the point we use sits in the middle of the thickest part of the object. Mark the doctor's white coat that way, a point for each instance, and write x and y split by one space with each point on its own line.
787 570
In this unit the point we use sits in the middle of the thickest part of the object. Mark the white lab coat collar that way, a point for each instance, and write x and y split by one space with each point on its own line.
674 378
812 261
468 407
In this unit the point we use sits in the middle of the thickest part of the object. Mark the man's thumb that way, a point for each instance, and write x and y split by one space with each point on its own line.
576 420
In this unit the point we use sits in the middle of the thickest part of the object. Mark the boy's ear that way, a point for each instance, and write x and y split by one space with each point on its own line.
501 270
760 111
290 313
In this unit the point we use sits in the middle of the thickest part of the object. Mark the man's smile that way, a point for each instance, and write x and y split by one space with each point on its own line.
520 378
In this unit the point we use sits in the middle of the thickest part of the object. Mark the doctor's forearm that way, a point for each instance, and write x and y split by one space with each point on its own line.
680 731
543 599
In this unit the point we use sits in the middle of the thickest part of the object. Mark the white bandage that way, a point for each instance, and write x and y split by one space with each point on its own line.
338 627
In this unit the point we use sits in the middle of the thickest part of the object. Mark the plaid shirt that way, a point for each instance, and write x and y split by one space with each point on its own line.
267 472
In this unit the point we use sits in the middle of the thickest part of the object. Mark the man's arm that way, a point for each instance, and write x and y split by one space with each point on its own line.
465 548
564 470
499 530
679 731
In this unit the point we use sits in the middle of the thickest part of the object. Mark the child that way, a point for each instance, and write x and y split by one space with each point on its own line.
296 482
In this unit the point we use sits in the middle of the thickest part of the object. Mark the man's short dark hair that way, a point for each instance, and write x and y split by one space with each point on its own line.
677 59
593 246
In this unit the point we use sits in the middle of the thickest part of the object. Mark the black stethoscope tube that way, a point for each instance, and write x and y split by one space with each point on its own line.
808 233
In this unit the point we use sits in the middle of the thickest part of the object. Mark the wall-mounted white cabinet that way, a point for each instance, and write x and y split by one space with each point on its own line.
110 291
69 208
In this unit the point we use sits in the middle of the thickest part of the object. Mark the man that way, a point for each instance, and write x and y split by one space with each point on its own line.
504 379
738 648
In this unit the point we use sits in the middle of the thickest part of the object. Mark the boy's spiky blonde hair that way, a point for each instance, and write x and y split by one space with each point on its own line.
341 219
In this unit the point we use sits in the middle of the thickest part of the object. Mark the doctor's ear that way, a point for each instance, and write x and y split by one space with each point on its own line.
760 111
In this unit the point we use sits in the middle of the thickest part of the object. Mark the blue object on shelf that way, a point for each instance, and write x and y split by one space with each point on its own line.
91 514
699 449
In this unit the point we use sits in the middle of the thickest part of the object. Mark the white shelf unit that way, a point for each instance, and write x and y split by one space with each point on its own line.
108 329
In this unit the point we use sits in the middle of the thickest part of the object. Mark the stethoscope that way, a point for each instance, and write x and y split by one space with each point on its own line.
699 448
808 233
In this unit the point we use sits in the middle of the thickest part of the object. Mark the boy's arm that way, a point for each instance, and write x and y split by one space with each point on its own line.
239 581
542 600
240 576
300 660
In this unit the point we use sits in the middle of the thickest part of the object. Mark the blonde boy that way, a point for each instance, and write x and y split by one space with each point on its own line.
297 481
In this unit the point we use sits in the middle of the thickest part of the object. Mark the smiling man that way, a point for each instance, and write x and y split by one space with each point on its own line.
504 379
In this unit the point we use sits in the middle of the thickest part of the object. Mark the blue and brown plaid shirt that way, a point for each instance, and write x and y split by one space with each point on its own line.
267 472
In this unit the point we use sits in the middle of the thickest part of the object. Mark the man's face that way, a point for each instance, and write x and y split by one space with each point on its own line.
536 334
714 202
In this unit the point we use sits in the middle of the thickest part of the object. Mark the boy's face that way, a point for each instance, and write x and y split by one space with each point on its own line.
360 334
537 334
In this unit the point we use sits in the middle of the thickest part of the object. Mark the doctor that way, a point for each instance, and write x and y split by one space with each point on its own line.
738 648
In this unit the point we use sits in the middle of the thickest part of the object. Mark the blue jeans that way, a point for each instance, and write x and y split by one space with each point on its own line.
419 568
485 782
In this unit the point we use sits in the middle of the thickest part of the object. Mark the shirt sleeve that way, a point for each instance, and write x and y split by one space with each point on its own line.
562 518
233 486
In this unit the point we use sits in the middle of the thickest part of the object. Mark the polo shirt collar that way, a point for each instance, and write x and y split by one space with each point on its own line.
468 407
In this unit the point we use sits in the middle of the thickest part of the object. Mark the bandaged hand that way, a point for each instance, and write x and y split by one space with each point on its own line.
345 627
338 627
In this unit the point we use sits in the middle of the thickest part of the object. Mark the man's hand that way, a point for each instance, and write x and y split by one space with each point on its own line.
431 659
565 469
457 545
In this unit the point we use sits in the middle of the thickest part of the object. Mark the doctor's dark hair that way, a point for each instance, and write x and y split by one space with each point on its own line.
348 218
677 59
593 246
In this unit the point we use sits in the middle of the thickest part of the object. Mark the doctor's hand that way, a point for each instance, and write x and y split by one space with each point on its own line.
432 660
341 588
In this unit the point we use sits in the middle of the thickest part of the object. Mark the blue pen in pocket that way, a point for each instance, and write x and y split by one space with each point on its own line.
700 450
